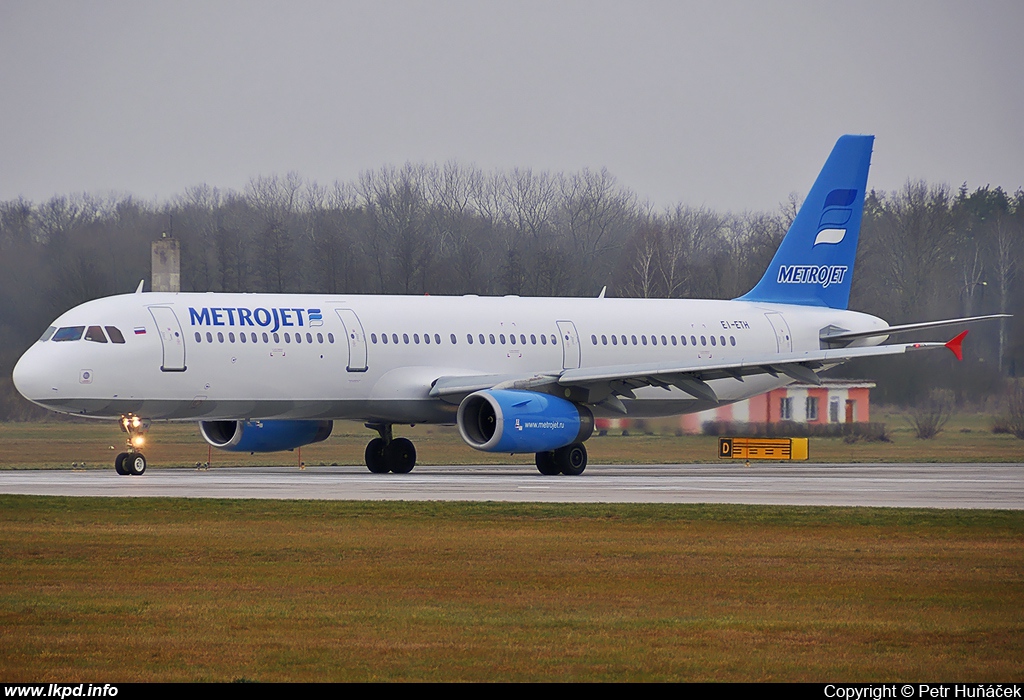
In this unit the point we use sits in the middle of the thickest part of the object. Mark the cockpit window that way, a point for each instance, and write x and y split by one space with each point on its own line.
69 333
95 335
47 333
115 334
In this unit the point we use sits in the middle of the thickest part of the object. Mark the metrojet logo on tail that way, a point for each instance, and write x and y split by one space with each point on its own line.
835 215
812 274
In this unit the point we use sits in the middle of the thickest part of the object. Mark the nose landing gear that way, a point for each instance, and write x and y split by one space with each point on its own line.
132 462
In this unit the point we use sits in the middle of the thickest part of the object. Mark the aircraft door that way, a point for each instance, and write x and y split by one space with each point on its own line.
171 338
570 344
782 335
356 340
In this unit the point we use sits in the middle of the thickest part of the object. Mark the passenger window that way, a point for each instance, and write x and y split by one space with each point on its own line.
231 337
47 334
405 338
533 339
373 338
604 339
615 340
512 337
624 340
394 338
330 337
309 338
241 336
437 338
469 338
95 335
298 338
732 340
634 339
703 340
416 338
522 338
682 339
209 337
654 340
199 338
454 340
320 338
492 338
713 340
721 339
554 340
384 338
220 337
266 339
693 340
287 337
426 338
115 335
664 341
543 340
501 337
593 339
277 338
674 340
254 337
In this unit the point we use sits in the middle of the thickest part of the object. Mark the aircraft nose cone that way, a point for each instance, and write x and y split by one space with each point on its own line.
29 377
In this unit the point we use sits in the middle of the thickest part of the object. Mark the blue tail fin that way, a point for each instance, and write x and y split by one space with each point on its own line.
814 264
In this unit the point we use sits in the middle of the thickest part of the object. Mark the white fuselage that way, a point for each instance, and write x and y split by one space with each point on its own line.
184 359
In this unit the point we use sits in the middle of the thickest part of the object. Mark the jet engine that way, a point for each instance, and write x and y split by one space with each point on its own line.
506 420
264 435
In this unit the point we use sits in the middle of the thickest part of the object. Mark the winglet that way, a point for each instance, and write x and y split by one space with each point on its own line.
138 290
955 345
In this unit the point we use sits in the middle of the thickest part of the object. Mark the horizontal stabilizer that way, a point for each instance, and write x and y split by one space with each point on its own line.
907 328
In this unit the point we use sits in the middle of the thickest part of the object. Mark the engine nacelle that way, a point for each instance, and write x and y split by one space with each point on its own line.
507 420
264 435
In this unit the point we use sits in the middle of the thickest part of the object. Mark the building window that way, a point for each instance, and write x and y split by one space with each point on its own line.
812 408
786 409
833 411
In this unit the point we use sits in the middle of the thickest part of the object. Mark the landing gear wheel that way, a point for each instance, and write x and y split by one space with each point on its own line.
135 464
546 464
400 455
375 460
119 465
571 459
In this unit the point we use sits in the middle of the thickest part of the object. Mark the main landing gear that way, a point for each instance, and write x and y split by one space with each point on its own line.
132 462
389 454
570 460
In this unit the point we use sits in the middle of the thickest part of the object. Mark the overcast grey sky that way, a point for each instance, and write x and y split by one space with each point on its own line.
729 104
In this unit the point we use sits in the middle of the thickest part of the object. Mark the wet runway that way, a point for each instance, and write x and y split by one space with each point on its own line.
891 485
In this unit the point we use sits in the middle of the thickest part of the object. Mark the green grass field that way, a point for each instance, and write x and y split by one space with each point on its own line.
182 590
967 438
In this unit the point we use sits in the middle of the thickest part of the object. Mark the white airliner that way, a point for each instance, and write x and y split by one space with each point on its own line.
263 372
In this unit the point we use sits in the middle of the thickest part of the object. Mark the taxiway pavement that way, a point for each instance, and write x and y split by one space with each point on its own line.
999 486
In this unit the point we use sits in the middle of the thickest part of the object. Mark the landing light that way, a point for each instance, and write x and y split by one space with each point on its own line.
138 441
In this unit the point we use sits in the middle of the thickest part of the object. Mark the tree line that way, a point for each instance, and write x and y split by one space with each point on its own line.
926 252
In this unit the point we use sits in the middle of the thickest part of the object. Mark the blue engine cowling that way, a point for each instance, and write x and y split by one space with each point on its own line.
264 435
507 420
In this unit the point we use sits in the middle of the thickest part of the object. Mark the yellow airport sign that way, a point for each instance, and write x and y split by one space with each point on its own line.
762 448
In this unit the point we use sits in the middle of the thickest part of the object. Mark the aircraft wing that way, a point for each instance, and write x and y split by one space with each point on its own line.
606 384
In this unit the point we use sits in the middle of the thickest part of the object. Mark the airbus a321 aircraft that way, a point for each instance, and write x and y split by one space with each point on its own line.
262 373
